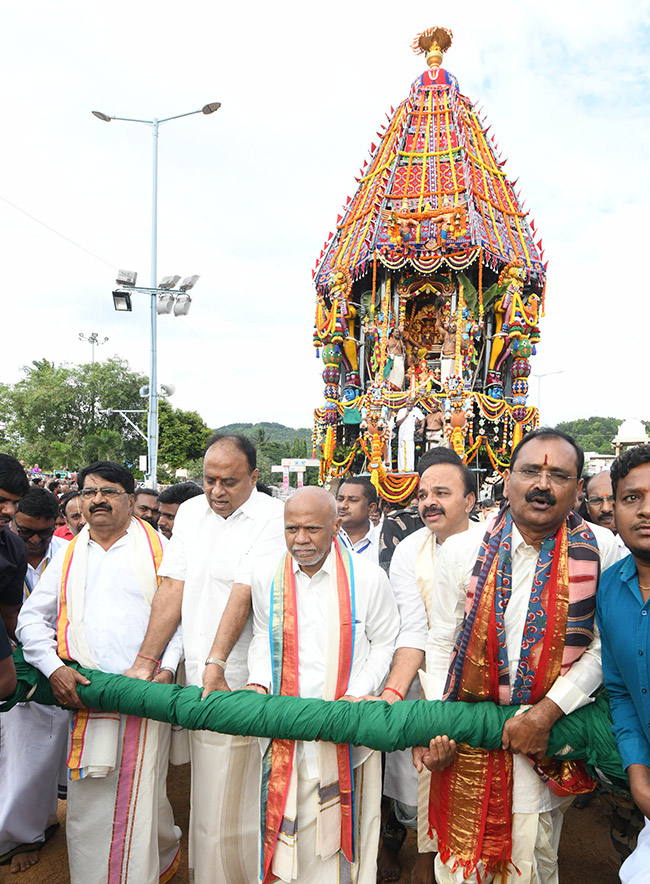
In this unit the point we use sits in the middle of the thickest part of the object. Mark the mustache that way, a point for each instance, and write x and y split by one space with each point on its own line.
542 495
435 510
101 506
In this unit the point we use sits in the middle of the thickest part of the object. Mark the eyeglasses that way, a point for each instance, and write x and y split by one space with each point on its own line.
88 493
530 475
26 533
599 501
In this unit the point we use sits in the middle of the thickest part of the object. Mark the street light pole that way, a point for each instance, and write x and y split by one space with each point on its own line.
539 377
92 339
152 414
152 417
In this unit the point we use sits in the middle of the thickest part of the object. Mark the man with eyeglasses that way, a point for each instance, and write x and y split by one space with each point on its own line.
513 621
33 738
92 606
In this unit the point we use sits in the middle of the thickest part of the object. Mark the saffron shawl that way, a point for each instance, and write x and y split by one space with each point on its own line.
279 822
93 747
471 800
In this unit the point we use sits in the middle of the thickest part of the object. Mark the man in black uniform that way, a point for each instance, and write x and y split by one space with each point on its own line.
13 554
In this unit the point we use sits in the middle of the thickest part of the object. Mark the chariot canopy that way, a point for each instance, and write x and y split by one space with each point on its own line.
430 288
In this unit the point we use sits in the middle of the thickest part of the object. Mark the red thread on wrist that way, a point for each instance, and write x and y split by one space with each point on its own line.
394 691
151 660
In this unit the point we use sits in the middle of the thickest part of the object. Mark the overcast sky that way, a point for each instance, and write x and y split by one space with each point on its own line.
248 195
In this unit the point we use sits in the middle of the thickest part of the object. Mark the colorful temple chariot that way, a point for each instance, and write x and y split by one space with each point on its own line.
429 291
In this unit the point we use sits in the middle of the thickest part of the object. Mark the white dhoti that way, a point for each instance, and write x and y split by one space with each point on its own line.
396 374
535 842
33 742
636 868
405 455
336 869
122 823
120 827
225 787
446 368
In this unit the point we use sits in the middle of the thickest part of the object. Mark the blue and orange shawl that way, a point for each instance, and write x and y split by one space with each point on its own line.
278 762
470 801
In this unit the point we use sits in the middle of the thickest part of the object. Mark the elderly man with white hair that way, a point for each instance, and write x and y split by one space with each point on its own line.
324 626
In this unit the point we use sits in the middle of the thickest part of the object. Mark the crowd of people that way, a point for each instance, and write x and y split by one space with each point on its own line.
530 603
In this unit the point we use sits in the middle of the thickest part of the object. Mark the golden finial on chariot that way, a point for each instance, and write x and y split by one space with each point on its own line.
433 43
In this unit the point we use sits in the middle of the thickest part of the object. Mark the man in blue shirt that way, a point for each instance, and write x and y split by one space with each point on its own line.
623 610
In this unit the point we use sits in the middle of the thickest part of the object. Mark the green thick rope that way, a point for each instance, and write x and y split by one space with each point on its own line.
585 734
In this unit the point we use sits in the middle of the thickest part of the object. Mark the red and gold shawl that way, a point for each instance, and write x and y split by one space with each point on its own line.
470 802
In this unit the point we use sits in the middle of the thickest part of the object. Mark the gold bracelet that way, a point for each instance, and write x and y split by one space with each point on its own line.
216 661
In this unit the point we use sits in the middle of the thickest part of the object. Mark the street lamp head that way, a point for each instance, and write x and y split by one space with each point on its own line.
182 305
104 117
168 282
122 301
126 277
188 283
165 304
209 108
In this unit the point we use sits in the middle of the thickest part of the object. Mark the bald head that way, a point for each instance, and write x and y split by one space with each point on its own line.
313 498
310 523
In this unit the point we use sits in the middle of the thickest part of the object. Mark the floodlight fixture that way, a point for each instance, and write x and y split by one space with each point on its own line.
122 301
208 108
168 282
182 305
165 303
188 283
101 116
126 277
167 390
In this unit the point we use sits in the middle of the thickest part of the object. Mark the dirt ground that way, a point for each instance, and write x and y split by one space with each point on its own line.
586 852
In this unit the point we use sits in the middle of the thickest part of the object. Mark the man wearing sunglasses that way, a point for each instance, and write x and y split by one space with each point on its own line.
33 738
513 620
92 606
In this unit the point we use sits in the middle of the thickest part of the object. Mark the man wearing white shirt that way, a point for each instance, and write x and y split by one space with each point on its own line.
32 738
356 502
92 606
336 611
446 497
516 611
206 572
407 421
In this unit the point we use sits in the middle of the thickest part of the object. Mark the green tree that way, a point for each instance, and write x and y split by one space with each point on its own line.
103 445
182 436
592 433
65 405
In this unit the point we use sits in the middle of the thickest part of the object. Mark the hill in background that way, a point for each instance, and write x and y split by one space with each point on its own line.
271 432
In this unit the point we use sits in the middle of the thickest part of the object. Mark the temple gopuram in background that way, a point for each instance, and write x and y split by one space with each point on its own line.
428 293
